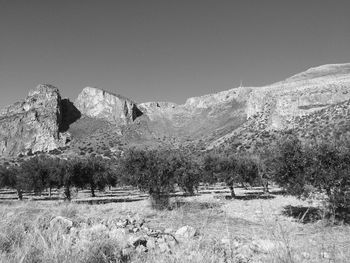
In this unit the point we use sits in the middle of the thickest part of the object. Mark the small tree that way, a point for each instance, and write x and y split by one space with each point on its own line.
10 177
67 176
227 171
246 170
151 171
290 165
90 172
187 172
210 167
328 171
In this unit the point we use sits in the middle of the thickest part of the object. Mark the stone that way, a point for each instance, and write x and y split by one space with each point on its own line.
225 241
141 249
60 223
325 255
136 241
126 252
151 243
168 230
118 233
185 232
122 223
96 232
264 246
305 255
164 247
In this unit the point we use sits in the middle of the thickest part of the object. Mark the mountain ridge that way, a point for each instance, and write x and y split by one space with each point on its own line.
206 121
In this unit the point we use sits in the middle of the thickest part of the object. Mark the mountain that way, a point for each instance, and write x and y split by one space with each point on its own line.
313 103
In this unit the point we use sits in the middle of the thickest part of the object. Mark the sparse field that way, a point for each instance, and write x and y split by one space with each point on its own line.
247 229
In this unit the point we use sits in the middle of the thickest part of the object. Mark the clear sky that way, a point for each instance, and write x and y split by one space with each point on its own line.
165 50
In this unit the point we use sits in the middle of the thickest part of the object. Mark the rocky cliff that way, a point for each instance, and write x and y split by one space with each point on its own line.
97 103
33 124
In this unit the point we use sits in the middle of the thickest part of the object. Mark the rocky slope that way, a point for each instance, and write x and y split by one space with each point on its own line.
198 117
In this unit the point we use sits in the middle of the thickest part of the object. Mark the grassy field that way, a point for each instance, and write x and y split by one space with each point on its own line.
251 228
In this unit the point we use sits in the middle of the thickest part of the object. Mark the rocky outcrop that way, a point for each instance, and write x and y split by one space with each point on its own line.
33 124
97 103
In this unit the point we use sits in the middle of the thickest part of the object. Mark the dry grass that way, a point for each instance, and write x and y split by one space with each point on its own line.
227 229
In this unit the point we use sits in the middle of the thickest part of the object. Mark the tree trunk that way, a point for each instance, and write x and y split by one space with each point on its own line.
50 192
266 187
67 193
92 191
19 194
232 189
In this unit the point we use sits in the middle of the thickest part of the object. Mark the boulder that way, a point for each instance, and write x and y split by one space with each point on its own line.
185 232
60 223
136 241
96 232
264 246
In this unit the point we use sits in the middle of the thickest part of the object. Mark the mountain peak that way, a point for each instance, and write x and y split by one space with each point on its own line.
43 88
329 70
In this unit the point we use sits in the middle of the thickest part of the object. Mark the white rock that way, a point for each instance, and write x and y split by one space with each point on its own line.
185 232
305 255
60 223
95 232
264 246
325 255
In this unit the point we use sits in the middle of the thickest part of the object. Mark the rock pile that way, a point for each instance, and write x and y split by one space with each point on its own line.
132 234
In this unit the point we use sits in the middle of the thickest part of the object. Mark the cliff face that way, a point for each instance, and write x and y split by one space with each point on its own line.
33 124
101 104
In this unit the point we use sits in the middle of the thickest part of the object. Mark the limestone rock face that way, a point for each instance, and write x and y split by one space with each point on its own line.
33 124
302 94
97 103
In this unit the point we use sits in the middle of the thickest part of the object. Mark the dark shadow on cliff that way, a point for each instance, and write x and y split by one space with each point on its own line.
136 112
70 114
